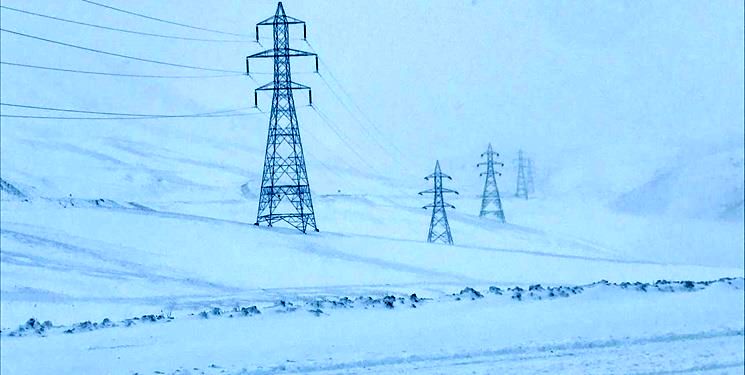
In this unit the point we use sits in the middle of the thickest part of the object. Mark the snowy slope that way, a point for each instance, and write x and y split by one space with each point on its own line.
632 112
602 329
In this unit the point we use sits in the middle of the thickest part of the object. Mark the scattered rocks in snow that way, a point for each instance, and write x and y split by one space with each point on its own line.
366 301
318 305
248 311
468 292
106 322
316 312
284 306
82 326
536 287
667 285
642 287
414 299
32 326
89 326
344 302
517 293
151 318
216 311
323 302
388 301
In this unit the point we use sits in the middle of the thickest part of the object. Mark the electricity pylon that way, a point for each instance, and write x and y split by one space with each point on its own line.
522 184
491 204
439 229
529 176
285 191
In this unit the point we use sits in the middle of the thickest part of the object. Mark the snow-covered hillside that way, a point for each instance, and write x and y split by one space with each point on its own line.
633 113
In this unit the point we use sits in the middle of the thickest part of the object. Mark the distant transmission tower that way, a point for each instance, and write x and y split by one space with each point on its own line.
522 184
491 204
530 173
439 229
285 192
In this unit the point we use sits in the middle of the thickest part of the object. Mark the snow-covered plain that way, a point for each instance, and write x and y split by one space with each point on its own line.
640 178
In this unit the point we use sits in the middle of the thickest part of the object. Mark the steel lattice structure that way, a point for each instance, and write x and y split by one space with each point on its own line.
439 229
522 184
285 191
491 203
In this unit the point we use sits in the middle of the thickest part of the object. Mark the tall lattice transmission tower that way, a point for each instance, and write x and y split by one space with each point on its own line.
285 192
491 203
439 229
522 183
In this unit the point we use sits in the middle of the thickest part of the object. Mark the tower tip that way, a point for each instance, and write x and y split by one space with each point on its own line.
280 9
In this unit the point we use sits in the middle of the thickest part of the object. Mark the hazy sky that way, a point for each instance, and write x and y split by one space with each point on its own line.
438 78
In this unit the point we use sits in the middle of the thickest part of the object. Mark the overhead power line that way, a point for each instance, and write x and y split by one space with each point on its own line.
344 139
118 115
162 20
307 132
125 30
398 155
364 128
117 74
117 54
126 118
305 150
356 106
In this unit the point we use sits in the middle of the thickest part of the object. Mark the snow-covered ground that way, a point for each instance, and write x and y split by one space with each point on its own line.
137 236
70 264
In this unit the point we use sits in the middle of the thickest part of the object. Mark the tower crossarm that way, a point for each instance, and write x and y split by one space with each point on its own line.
443 190
282 85
439 174
487 163
275 20
272 53
444 204
487 173
292 86
275 53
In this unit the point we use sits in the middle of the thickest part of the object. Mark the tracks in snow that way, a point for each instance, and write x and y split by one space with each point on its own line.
637 355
